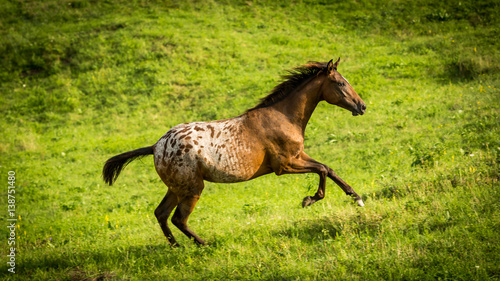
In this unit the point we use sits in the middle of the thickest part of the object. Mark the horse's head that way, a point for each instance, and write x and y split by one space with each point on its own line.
336 90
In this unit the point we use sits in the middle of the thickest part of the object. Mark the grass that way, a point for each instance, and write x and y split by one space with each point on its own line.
82 81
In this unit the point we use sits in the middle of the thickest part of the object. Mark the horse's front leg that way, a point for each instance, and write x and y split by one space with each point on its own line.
305 164
345 187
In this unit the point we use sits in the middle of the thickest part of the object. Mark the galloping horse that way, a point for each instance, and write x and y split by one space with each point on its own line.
268 138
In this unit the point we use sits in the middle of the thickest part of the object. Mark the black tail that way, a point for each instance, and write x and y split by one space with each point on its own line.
115 164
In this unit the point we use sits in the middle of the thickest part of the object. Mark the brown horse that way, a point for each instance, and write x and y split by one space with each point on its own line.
268 138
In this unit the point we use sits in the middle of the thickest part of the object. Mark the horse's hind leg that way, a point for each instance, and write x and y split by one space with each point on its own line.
162 213
184 209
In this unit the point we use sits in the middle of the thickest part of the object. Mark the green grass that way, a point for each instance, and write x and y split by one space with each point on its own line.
81 81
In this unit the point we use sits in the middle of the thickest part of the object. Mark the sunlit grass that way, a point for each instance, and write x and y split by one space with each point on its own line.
83 81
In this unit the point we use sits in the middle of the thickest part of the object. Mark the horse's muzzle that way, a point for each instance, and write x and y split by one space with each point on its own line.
360 109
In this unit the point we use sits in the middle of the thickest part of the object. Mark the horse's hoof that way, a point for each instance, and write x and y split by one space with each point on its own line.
360 203
307 201
205 244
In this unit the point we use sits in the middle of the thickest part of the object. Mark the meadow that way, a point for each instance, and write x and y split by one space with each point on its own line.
84 80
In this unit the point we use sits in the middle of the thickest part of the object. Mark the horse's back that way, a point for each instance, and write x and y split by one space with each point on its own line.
218 151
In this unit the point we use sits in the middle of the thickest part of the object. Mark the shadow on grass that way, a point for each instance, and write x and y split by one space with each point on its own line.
71 264
312 231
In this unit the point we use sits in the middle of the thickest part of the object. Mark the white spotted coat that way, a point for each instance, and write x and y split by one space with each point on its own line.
213 149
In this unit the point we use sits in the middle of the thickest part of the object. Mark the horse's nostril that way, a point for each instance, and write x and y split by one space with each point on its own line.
363 107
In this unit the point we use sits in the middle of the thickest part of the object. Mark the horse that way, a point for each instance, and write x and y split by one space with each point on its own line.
268 138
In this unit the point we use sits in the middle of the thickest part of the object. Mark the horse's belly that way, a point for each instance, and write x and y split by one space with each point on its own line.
230 157
234 164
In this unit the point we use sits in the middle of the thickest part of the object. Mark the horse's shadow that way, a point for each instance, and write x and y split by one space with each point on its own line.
311 231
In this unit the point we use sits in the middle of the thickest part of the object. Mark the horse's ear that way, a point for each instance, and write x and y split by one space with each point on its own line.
336 63
330 67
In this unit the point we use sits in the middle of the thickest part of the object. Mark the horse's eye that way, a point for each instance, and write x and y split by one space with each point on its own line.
341 84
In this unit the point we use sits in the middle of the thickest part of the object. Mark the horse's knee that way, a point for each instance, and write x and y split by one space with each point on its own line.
323 171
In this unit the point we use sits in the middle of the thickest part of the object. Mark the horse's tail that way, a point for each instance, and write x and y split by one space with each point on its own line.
115 164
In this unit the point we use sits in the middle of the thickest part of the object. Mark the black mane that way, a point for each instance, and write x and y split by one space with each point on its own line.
292 80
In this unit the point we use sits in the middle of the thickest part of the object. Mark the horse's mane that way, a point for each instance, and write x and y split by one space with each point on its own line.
291 81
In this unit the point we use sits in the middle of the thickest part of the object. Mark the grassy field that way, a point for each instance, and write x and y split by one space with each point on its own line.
81 81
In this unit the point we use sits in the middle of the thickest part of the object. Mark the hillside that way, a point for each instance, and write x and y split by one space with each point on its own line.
81 81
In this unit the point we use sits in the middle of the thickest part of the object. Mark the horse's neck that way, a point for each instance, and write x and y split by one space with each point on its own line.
300 104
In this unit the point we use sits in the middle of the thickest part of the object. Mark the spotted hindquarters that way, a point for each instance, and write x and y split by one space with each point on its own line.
215 150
